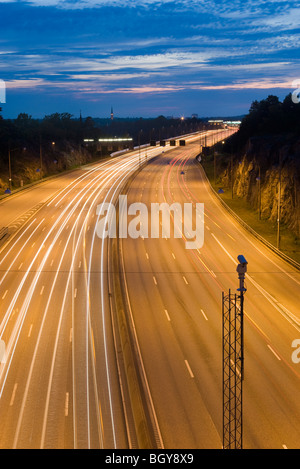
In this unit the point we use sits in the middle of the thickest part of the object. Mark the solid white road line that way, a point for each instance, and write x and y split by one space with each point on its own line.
204 314
3 297
167 314
274 353
13 395
67 405
189 369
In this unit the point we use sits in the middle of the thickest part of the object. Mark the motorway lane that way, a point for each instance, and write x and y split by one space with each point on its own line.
59 387
176 302
53 338
16 205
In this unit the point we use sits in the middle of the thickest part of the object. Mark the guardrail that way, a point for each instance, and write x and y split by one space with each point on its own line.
251 230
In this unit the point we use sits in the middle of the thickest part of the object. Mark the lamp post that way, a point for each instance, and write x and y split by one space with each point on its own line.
9 165
215 162
258 179
41 158
140 132
279 204
9 169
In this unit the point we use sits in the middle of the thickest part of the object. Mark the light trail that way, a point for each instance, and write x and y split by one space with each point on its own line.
113 174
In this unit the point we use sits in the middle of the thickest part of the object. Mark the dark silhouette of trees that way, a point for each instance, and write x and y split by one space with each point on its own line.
266 118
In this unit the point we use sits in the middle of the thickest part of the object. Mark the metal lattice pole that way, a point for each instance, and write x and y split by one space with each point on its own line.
233 363
232 373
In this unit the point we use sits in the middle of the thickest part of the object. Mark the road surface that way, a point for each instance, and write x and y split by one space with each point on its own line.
59 379
176 305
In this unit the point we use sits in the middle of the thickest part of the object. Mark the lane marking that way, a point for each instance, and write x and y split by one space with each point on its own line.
236 369
75 293
13 395
67 405
42 290
167 314
3 297
154 280
290 317
204 314
189 369
30 329
230 237
273 351
147 255
185 280
173 255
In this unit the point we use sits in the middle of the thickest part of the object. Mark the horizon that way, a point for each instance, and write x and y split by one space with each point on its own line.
154 58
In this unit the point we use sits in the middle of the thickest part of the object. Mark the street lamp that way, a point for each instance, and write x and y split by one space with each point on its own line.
279 203
9 165
258 179
41 155
140 132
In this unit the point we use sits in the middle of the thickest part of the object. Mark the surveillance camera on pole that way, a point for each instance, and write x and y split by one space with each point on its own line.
233 361
242 270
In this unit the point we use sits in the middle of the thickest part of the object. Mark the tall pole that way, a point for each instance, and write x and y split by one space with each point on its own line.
233 361
231 164
9 169
279 204
215 167
259 192
139 147
41 158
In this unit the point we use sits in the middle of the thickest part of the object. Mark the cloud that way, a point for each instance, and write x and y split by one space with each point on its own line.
282 21
148 48
263 84
23 84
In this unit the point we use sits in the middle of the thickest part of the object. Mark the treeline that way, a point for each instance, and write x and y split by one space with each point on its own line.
261 162
268 117
59 139
27 132
64 127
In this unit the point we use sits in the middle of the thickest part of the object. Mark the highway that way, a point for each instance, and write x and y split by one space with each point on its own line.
175 299
60 377
59 385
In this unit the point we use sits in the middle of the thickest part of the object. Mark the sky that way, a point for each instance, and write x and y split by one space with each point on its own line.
146 58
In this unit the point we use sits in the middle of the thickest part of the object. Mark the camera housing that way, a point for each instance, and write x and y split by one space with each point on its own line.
242 266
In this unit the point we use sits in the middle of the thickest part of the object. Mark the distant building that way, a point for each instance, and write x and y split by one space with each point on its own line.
112 114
